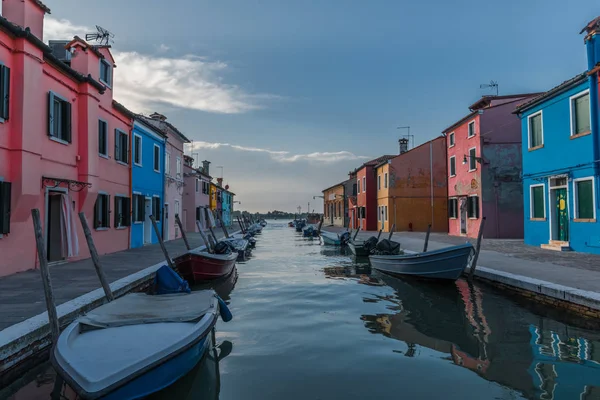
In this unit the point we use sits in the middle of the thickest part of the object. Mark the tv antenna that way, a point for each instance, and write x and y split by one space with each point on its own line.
102 36
492 85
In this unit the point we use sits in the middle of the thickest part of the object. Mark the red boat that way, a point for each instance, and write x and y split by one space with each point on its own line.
197 266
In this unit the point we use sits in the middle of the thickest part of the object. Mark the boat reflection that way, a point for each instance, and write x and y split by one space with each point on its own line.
223 286
542 362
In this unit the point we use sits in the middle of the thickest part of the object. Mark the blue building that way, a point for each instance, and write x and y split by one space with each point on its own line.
147 186
227 207
561 156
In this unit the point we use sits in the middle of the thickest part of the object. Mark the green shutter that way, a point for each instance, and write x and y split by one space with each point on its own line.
537 199
5 81
51 114
66 107
582 114
585 199
96 213
127 212
5 193
117 146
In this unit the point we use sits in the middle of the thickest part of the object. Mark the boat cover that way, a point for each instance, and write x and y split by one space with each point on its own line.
141 308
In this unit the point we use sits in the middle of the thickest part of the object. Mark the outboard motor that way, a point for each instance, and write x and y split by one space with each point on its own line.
370 244
386 248
345 238
222 248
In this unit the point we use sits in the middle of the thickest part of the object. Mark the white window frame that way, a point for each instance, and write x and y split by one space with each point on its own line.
167 163
154 157
541 114
450 166
364 182
456 209
478 207
178 167
451 140
468 130
135 135
575 195
378 182
472 158
110 72
531 199
572 109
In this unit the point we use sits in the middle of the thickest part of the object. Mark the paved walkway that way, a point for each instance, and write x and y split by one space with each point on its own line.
576 270
22 294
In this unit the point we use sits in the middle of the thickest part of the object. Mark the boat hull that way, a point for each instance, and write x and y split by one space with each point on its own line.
201 266
358 249
446 264
331 241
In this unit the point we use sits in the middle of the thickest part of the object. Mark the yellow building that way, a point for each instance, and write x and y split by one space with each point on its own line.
212 200
382 180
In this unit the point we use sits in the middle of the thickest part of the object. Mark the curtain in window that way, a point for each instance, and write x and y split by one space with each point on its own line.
582 114
70 241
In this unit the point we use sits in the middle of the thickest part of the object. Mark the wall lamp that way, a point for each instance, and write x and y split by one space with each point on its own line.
478 159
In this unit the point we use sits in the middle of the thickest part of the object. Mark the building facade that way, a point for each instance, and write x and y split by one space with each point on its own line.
484 169
196 194
227 206
561 151
148 174
58 159
333 205
412 188
364 214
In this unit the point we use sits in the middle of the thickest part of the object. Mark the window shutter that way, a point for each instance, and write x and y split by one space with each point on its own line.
116 212
117 146
51 114
476 206
107 211
5 193
142 208
96 213
125 147
127 211
67 113
197 213
450 209
5 76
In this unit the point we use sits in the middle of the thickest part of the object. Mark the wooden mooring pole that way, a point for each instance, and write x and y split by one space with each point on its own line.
45 272
204 238
427 238
356 233
379 235
183 234
392 231
95 258
473 265
162 244
240 224
210 229
320 225
219 217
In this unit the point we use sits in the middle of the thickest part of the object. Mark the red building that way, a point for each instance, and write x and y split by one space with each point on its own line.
363 211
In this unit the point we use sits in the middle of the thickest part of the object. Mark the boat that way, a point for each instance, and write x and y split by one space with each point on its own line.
137 344
199 265
311 231
242 246
334 239
300 224
263 223
447 263
357 247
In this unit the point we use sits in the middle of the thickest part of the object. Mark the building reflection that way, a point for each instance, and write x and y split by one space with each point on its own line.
360 272
504 343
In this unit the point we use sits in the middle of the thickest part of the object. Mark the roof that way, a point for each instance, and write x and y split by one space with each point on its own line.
166 127
48 56
591 26
577 79
485 101
141 118
42 6
77 39
414 148
120 107
373 162
336 185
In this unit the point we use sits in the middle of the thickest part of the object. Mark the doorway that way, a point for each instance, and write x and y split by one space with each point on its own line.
54 226
463 216
166 224
148 222
559 206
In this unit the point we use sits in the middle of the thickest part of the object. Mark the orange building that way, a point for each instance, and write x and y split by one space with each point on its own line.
333 205
412 188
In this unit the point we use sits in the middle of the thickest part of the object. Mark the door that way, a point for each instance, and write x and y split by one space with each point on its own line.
148 223
562 215
54 240
463 216
166 224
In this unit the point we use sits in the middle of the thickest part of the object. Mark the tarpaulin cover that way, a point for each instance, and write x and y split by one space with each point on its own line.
167 281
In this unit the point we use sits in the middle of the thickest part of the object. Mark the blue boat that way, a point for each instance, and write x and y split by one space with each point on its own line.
140 343
310 232
334 239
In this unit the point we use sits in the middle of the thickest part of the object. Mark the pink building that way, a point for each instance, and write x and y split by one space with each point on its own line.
196 193
64 143
484 169
174 181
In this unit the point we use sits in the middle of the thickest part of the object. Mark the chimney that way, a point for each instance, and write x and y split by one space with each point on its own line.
158 117
205 165
26 14
220 182
403 145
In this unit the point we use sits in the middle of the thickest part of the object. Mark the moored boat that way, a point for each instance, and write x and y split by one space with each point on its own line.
200 265
357 247
334 239
447 263
242 246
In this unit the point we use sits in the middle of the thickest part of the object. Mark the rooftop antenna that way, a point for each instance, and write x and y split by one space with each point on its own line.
102 36
492 85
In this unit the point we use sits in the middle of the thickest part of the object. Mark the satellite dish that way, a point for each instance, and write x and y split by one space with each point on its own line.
102 36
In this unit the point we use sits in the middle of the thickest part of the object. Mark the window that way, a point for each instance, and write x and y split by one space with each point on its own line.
137 149
472 159
197 185
385 180
204 187
580 113
121 210
473 207
584 198
358 186
364 184
105 72
59 118
178 167
334 210
536 130
167 163
4 92
5 193
452 166
537 202
102 138
139 208
121 146
386 213
453 208
101 211
156 158
340 210
176 207
378 182
451 139
471 127
379 211
156 208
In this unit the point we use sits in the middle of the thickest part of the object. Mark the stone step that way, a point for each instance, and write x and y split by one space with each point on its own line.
557 246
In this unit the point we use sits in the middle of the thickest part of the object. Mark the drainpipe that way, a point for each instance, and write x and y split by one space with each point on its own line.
130 182
431 178
593 80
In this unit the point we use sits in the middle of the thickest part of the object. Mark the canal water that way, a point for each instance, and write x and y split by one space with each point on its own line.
311 322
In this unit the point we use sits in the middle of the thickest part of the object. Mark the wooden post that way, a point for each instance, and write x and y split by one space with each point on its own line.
210 229
320 225
392 231
356 234
477 247
203 236
222 224
240 224
379 234
427 238
183 235
95 259
45 272
162 244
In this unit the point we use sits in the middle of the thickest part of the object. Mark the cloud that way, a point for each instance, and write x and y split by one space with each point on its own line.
163 48
143 82
284 156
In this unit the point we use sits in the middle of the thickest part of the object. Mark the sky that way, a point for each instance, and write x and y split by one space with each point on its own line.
289 96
